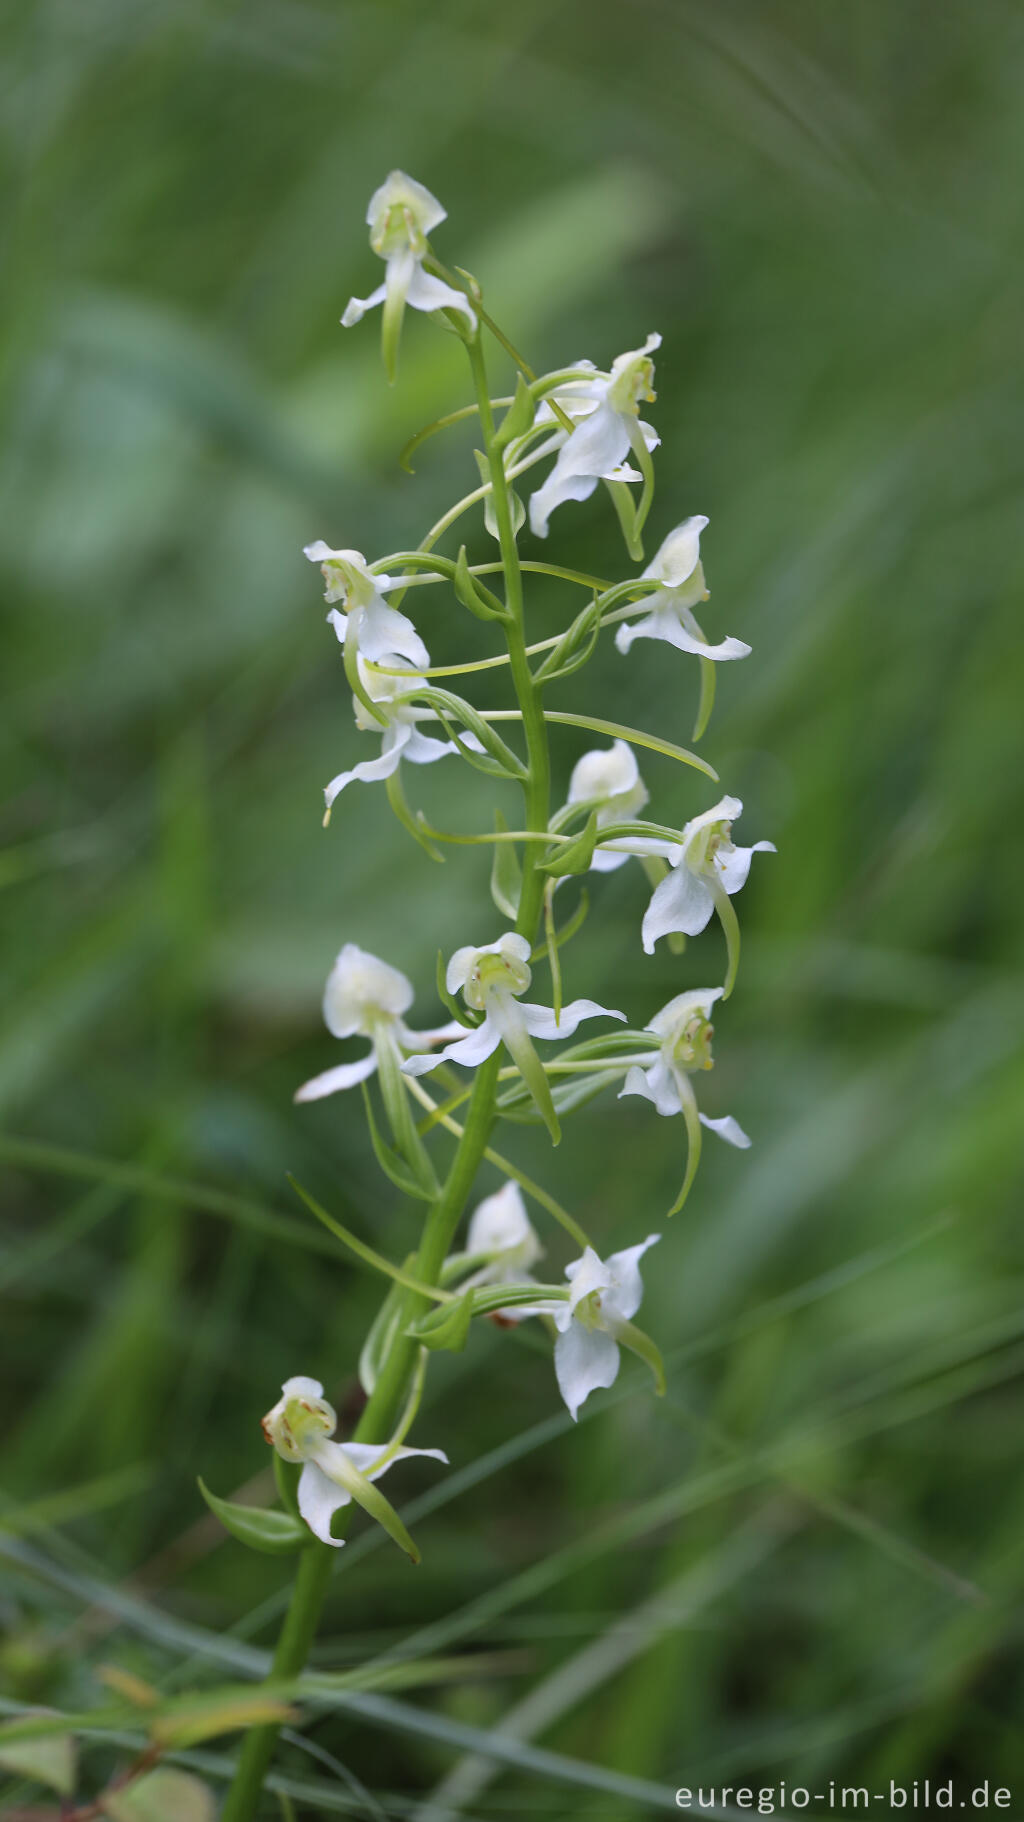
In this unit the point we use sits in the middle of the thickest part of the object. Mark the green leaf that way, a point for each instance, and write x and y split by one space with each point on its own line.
516 507
382 1337
193 1719
635 737
520 1047
625 507
646 1350
388 1159
401 810
574 647
372 1500
472 592
567 1094
376 1261
273 1533
449 707
519 417
694 1138
164 1795
446 1329
506 873
573 856
394 1088
49 1761
731 931
708 680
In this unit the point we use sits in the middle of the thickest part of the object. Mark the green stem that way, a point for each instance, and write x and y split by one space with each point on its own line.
537 789
293 1645
378 1419
389 1394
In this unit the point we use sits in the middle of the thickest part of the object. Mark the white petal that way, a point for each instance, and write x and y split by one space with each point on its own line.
728 1129
540 1020
500 1224
319 1500
357 307
344 1075
676 1012
384 630
598 445
641 846
557 489
587 1274
584 1360
607 860
656 1083
359 986
681 901
423 749
300 1386
626 1291
369 771
319 552
460 967
636 629
664 624
677 557
605 772
727 809
401 191
429 293
435 1034
470 1051
366 1455
732 864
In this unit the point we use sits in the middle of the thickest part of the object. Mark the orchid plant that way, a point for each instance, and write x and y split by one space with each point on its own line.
480 1063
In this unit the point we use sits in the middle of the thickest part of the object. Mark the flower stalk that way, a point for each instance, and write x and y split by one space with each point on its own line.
587 420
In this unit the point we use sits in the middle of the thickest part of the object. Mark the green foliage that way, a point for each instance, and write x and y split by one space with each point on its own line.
814 1568
164 1795
259 1527
50 1761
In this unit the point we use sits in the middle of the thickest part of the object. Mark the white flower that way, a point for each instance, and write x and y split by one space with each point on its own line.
710 867
501 1231
678 568
609 778
491 980
604 1296
376 628
401 737
684 1036
608 426
400 216
365 997
300 1426
501 1228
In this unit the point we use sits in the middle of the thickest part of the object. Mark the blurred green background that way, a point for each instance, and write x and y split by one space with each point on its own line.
806 1562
